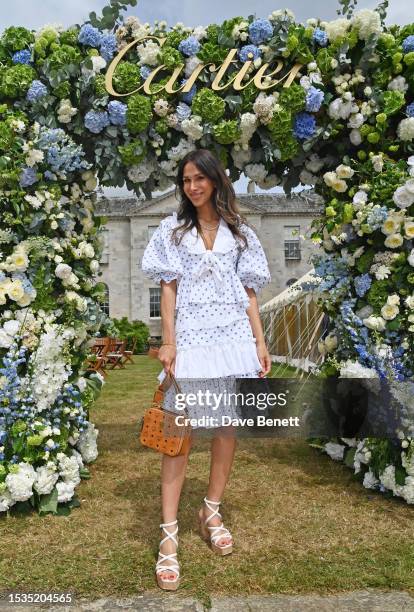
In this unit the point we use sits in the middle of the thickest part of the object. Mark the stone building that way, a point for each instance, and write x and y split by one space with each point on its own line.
278 221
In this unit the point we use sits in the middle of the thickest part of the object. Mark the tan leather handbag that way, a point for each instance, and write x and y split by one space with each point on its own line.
159 429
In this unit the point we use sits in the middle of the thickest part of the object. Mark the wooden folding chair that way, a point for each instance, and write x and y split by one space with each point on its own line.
95 362
114 356
129 354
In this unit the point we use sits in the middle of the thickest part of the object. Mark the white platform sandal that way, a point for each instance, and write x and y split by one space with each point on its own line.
164 583
216 533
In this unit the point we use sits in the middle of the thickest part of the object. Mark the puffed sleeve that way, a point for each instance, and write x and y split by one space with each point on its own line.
161 260
253 269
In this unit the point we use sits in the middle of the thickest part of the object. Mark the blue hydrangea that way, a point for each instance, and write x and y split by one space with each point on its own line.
188 96
117 112
408 44
362 284
410 110
320 37
377 216
62 154
28 177
145 71
89 36
22 57
108 46
96 121
304 126
260 31
36 91
314 99
249 49
182 111
189 46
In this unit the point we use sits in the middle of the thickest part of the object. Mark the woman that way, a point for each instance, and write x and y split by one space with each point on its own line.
210 265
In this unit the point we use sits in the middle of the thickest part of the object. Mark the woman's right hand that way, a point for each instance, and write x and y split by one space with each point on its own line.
167 355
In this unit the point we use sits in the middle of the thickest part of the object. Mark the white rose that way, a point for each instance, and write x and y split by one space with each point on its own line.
403 198
94 266
410 302
63 271
375 323
394 299
389 311
355 137
331 343
344 172
394 241
356 120
410 258
391 226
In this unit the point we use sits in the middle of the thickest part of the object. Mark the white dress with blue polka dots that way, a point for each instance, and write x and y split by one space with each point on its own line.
213 333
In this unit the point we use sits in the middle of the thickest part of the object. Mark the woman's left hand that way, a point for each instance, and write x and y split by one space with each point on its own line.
264 358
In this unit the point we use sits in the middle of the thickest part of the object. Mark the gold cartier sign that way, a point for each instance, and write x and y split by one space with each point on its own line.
259 80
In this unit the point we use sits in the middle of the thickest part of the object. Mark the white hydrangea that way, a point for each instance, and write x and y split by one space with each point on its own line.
192 127
255 172
169 168
46 478
264 107
269 182
353 369
314 163
340 109
148 53
387 478
6 500
307 178
139 173
248 124
367 22
241 157
66 491
336 29
356 120
87 443
199 32
405 129
69 468
191 64
335 451
370 481
20 484
398 84
66 111
33 157
161 107
177 153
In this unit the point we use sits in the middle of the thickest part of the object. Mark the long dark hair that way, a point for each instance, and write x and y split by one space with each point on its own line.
224 197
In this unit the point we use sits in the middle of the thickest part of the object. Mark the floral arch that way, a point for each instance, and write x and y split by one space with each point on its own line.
345 124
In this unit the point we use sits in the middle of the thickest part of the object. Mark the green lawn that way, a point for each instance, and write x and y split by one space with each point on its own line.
300 522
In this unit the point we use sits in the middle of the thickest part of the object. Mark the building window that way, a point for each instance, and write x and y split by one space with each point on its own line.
292 242
155 302
151 230
105 303
104 237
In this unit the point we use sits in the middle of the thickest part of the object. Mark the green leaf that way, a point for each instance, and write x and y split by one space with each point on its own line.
349 457
48 503
400 476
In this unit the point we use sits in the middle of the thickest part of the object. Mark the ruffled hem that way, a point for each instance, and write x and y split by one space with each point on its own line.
216 360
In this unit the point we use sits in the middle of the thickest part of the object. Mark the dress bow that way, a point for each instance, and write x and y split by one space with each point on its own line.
210 263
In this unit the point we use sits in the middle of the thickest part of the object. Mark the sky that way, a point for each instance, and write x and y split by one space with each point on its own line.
33 14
